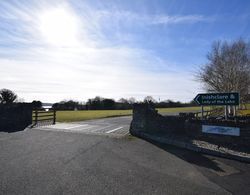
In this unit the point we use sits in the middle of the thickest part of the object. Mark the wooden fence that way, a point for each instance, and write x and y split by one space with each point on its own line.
40 117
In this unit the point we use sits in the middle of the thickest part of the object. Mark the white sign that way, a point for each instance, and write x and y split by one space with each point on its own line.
235 131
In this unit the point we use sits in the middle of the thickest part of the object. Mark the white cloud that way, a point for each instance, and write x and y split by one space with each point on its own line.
165 19
51 73
90 72
153 19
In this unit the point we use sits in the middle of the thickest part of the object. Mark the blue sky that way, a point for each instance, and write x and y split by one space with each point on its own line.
55 50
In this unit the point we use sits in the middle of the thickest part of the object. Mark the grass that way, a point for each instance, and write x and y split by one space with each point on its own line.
71 116
244 112
182 109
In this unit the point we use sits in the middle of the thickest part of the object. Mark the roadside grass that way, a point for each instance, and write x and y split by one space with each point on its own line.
72 116
180 109
81 115
244 112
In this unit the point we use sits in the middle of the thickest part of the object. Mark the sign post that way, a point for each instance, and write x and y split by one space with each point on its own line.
202 112
226 111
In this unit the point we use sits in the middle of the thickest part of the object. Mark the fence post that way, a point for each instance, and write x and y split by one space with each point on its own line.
54 116
202 112
36 117
226 112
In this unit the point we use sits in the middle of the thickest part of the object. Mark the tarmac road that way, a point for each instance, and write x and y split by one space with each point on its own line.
59 161
118 126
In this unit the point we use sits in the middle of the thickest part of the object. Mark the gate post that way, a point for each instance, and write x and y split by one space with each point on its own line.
54 116
36 116
226 112
202 112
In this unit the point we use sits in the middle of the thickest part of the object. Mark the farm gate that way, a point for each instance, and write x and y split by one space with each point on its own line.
43 118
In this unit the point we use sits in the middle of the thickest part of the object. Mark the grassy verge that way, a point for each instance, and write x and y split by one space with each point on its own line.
244 112
71 116
177 110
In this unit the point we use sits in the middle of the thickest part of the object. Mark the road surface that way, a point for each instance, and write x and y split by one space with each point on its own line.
70 161
110 126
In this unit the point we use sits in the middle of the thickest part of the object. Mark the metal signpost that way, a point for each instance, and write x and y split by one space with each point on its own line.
217 99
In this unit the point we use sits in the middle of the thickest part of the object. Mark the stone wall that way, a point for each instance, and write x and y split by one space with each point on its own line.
146 119
193 128
15 117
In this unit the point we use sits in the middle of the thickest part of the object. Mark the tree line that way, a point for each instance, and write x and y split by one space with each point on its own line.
99 103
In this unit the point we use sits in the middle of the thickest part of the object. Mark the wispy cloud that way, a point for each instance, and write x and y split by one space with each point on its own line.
38 70
86 73
150 19
179 19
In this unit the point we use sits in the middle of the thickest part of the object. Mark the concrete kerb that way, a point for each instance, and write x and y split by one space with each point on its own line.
188 146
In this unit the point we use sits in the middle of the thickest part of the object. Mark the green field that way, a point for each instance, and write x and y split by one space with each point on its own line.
244 112
177 110
70 116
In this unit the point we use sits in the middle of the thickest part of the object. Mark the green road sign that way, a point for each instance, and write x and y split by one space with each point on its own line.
218 99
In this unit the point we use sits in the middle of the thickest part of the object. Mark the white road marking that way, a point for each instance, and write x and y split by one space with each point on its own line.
110 131
76 126
99 129
83 128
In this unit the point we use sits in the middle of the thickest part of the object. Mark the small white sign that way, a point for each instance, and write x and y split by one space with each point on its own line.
235 131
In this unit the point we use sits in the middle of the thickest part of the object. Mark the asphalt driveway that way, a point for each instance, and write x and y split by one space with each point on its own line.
62 162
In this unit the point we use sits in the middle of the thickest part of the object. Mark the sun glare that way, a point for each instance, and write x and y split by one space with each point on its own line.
59 27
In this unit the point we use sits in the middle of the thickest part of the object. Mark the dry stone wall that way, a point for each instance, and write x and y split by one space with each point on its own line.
15 117
146 119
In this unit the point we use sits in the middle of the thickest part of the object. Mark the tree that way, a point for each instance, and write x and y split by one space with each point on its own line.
108 104
36 104
95 103
7 96
68 105
149 99
131 100
228 68
123 100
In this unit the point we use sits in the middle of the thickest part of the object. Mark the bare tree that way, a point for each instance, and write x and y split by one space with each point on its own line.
228 68
149 99
123 100
131 100
7 96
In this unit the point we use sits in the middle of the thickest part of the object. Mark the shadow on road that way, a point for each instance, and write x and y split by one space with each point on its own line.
12 130
189 156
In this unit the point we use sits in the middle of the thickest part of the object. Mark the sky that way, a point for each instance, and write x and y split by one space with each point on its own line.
61 49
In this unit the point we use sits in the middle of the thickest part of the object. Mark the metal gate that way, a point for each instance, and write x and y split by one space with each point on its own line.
43 118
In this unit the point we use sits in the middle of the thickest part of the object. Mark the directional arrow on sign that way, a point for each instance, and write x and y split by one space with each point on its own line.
197 99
